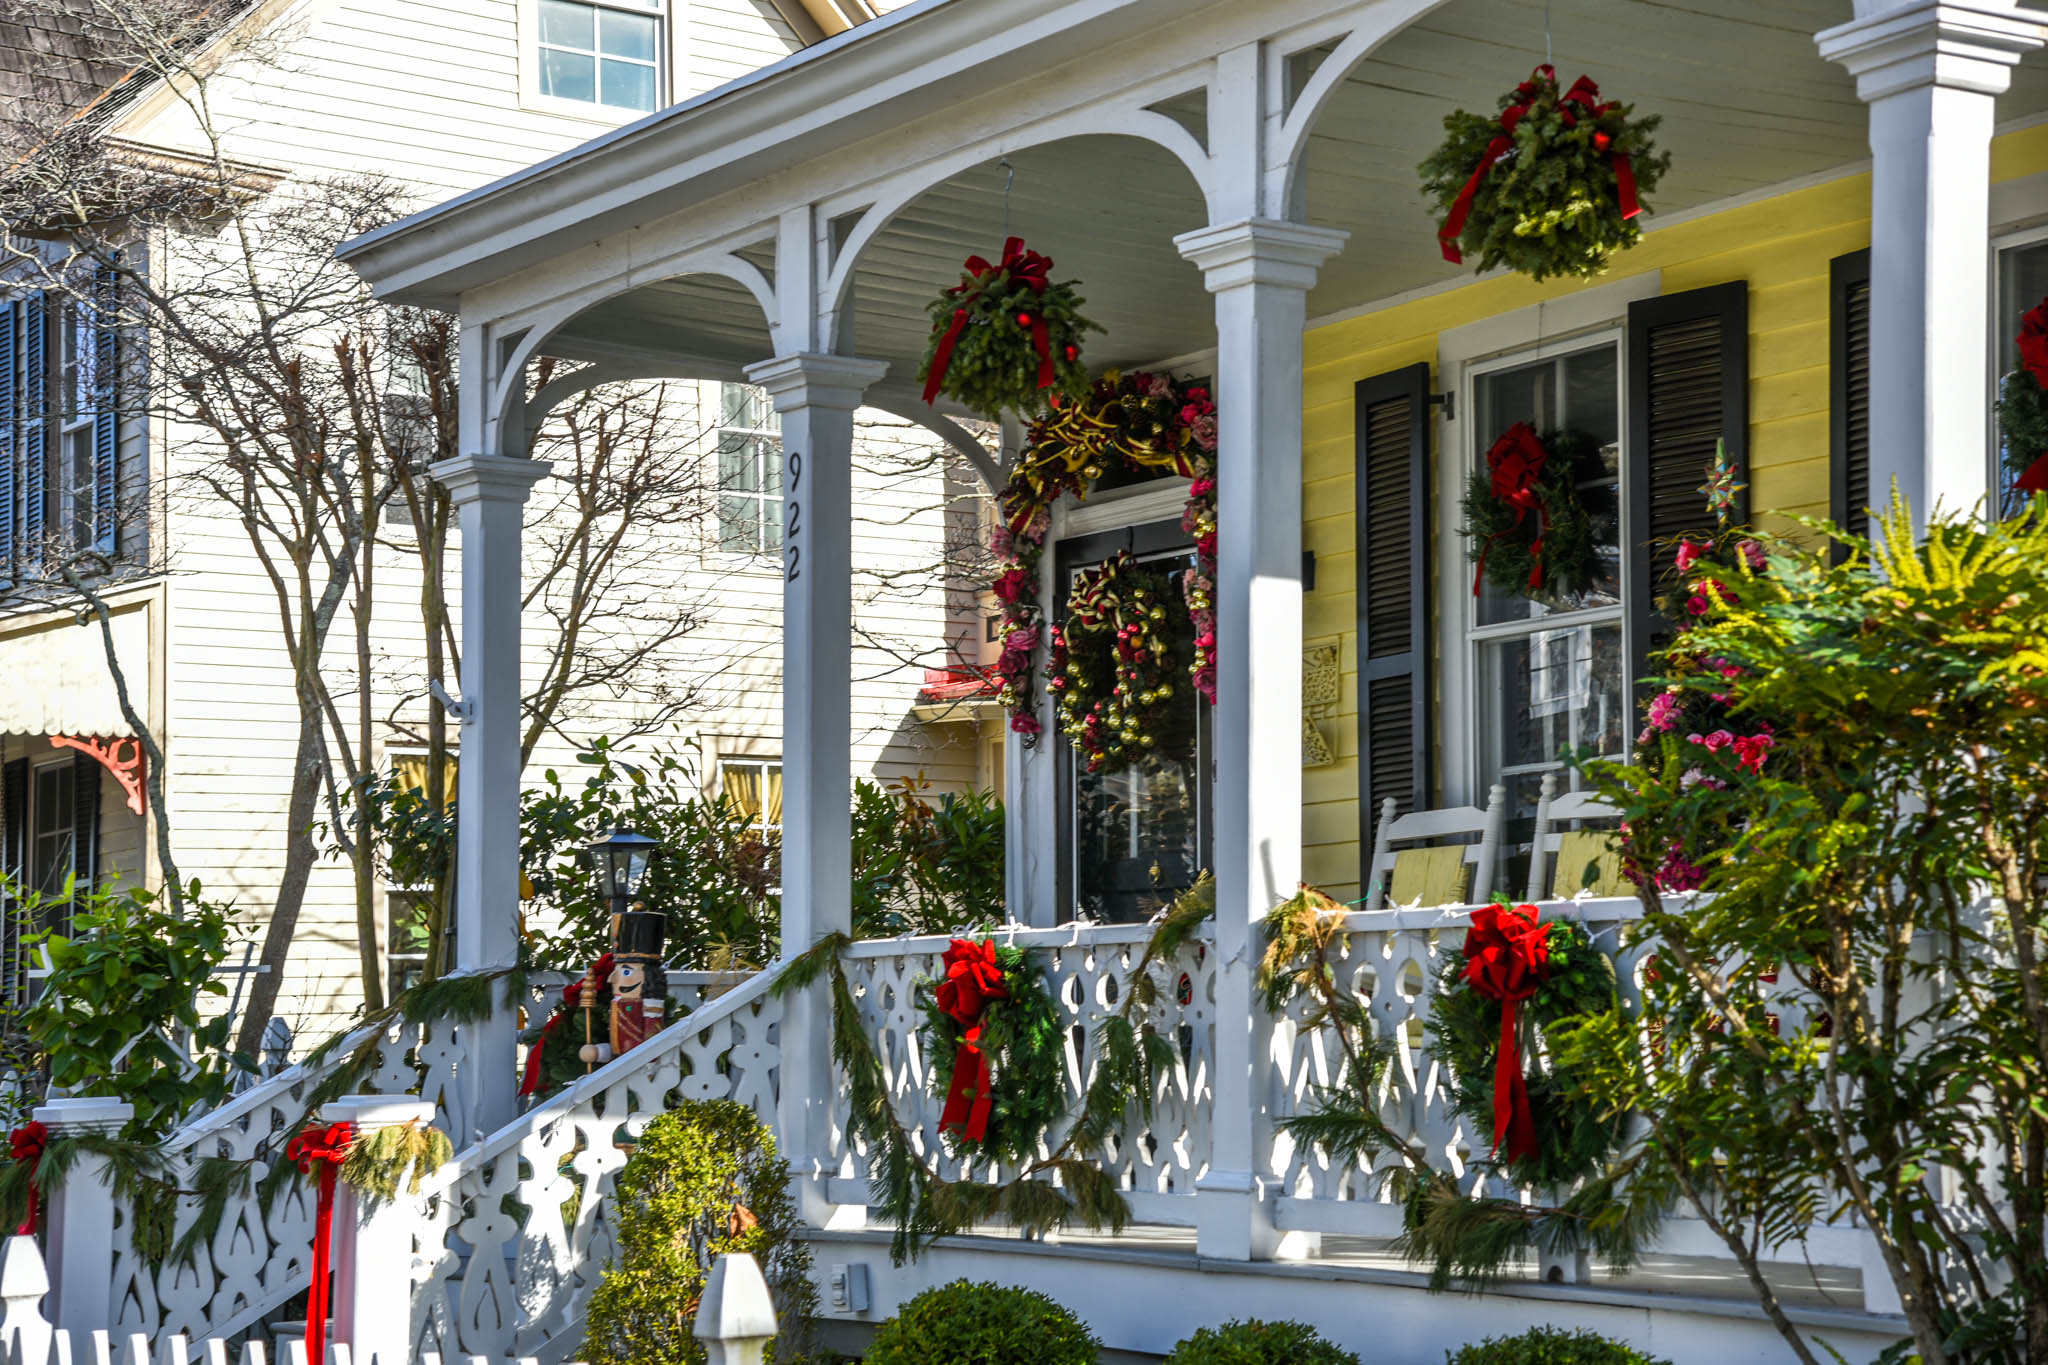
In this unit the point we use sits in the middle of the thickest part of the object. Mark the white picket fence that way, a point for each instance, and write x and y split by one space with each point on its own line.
735 1321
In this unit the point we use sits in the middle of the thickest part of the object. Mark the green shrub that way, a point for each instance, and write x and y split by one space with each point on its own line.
1253 1342
703 1180
966 1323
1551 1346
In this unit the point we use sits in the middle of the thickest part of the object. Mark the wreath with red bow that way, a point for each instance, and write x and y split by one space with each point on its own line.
1519 978
1118 661
1006 338
1127 423
996 1054
1529 520
1551 185
2023 412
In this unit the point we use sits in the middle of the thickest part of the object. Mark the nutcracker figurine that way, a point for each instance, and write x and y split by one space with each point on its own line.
639 985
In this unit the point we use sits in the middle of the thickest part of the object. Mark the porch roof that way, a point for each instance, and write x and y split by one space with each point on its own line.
892 132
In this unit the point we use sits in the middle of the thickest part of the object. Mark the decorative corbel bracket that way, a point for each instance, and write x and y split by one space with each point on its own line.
121 757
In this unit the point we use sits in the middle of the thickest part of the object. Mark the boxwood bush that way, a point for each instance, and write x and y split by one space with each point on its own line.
1253 1342
1552 1346
970 1323
703 1180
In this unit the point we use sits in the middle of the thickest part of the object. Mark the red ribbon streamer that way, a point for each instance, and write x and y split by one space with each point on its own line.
1507 957
973 979
1517 461
572 996
1584 96
1027 267
321 1149
26 1143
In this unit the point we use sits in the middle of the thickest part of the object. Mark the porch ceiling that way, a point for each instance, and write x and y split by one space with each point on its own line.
1746 101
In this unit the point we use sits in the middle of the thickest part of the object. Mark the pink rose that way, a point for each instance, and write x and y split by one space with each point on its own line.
1663 711
1752 750
1698 606
1024 723
1012 584
1752 554
1688 555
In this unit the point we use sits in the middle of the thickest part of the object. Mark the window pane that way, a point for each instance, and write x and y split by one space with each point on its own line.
739 467
739 524
1548 692
748 408
568 75
627 85
1578 393
627 35
567 24
2022 284
771 525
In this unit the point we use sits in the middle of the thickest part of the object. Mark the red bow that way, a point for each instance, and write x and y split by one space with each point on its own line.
26 1143
1020 265
973 979
1507 957
321 1151
1516 461
1584 95
572 996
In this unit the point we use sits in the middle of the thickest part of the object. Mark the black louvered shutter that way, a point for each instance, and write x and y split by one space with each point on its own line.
35 424
10 426
1849 498
106 413
85 828
1688 388
1393 593
14 862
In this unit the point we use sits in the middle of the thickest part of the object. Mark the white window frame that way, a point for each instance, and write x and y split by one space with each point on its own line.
768 559
668 47
1542 331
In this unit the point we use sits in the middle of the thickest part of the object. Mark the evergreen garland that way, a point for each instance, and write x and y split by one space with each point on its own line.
404 1152
1022 1037
1006 338
1612 1210
1546 186
1066 1186
1533 535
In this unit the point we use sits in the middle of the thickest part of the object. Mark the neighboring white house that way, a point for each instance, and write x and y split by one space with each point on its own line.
444 98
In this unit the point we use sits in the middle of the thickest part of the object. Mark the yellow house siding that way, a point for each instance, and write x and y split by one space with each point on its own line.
1781 245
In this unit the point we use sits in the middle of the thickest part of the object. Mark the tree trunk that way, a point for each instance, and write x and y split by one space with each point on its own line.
365 853
300 853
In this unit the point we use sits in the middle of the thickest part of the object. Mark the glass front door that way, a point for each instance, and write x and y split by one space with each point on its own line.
1136 837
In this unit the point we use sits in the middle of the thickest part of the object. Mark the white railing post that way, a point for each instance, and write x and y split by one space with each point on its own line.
25 1334
735 1318
371 1250
80 1212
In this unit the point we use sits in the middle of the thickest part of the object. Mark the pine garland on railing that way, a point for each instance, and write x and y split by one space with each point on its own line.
1066 1186
1606 1208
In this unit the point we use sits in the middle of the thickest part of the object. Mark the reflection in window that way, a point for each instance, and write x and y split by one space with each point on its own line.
2022 285
1552 677
602 51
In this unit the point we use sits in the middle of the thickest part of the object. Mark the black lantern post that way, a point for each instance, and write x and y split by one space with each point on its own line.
638 984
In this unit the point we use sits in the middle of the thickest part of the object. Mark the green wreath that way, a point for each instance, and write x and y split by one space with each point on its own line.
1529 528
1575 1140
1549 185
1115 663
1006 337
1017 1031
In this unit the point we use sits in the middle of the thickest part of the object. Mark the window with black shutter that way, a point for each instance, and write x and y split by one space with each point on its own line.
1393 418
13 862
1688 390
1849 498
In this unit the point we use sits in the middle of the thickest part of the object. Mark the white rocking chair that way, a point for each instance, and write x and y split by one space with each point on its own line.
1458 873
1566 858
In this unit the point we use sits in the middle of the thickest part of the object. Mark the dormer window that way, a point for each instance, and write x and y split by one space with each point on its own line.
603 52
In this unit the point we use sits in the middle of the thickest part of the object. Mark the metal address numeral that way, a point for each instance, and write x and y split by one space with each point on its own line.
795 550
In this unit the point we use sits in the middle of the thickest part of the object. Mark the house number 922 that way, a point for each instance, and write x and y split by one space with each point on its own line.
795 551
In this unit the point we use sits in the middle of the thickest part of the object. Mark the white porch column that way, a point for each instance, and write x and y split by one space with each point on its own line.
1930 74
489 492
1260 271
816 396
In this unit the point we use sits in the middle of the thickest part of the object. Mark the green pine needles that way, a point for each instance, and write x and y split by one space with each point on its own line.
1554 197
1060 1188
1006 338
1022 1038
1548 552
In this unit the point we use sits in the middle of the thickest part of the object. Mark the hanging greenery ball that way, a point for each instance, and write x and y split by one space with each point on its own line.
1006 338
1529 528
1552 185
